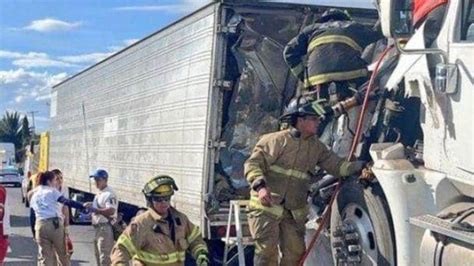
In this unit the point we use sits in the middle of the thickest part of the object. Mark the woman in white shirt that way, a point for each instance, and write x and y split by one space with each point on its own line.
49 226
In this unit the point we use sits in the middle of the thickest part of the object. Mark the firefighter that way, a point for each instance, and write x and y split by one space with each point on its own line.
332 49
279 173
162 234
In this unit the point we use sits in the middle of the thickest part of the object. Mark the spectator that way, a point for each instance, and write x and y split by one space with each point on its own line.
49 225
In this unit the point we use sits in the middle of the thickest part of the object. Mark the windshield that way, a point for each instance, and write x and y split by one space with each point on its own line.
8 171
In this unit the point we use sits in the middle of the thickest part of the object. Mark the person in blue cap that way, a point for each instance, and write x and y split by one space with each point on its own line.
106 204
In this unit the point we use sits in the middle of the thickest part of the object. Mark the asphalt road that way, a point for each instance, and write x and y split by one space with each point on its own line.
23 250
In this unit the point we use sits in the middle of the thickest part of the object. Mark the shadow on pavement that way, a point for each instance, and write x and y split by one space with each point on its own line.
23 249
19 221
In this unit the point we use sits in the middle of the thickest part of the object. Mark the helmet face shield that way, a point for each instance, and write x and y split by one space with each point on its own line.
160 186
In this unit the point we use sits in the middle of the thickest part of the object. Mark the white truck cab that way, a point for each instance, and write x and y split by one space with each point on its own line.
431 201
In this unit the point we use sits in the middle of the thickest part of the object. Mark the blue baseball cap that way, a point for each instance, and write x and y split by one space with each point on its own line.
100 173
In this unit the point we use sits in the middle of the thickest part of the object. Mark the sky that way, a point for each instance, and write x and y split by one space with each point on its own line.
42 42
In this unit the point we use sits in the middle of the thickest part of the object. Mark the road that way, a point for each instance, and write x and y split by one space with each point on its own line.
23 250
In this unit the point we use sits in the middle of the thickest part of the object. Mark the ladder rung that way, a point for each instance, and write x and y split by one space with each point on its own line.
246 240
220 223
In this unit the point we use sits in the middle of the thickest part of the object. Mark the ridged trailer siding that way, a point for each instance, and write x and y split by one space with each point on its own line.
140 113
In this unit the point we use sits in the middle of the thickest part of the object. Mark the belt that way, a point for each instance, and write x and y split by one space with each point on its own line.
49 219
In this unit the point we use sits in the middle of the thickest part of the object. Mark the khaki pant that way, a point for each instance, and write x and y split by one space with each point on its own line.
103 243
51 243
270 232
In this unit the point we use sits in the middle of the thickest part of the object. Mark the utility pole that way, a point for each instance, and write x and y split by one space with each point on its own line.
32 121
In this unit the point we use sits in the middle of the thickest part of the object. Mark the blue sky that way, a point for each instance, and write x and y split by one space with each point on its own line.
44 41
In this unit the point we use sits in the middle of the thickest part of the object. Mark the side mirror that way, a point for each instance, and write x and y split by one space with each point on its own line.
446 78
397 18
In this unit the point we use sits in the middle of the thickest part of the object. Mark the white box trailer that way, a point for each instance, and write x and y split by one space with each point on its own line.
157 107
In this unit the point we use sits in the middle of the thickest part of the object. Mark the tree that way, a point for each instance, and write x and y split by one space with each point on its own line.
15 130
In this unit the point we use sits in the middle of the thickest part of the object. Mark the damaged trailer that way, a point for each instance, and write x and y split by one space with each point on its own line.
189 101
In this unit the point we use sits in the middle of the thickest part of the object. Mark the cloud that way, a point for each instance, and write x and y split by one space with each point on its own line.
34 60
125 43
41 62
167 8
183 6
91 58
51 24
38 85
130 41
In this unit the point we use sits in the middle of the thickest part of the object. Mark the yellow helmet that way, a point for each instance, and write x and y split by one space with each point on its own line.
160 186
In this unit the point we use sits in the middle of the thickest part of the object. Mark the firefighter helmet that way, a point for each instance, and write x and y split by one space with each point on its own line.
334 14
160 186
303 106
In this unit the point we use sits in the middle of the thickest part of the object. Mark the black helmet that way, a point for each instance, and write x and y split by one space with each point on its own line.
300 107
334 14
160 186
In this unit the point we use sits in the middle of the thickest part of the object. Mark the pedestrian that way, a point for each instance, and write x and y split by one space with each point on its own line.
328 51
106 204
279 173
63 209
49 226
161 235
32 184
4 224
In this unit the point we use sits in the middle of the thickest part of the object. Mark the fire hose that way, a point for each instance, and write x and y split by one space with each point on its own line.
355 141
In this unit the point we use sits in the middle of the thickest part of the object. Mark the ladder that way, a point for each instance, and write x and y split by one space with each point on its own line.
238 241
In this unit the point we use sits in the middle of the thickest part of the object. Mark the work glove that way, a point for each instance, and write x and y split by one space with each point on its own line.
351 168
355 167
202 260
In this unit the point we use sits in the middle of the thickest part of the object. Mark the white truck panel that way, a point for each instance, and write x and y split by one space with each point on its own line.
140 113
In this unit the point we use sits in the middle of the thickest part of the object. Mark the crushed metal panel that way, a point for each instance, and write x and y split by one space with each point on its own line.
145 114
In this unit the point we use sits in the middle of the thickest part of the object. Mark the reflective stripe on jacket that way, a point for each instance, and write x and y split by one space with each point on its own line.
285 163
141 243
333 51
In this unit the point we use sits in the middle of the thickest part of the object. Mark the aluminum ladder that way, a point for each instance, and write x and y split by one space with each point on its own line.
238 241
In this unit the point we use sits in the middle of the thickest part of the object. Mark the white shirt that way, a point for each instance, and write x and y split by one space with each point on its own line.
45 202
106 198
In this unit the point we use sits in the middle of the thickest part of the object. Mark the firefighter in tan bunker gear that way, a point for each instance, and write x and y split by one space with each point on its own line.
279 173
162 234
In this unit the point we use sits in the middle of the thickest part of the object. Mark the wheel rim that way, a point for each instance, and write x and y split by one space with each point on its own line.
354 237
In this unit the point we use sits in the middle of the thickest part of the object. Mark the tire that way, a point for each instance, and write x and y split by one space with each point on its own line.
363 211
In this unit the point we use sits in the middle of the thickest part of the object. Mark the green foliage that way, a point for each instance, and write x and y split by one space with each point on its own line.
15 129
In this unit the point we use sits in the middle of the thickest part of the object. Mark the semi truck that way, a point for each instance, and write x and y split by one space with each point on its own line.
191 100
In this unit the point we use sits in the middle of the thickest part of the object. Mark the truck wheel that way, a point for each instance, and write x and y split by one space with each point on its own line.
361 226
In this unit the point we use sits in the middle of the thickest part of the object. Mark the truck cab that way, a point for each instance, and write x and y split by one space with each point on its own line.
425 192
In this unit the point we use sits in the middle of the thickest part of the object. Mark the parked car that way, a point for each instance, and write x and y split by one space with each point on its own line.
10 176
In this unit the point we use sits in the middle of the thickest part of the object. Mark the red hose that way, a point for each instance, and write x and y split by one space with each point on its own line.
355 141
